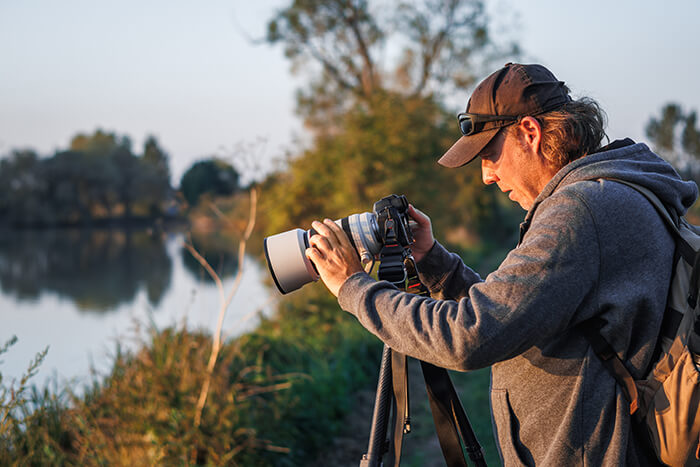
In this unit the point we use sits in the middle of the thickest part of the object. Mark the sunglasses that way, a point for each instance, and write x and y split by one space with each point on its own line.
474 123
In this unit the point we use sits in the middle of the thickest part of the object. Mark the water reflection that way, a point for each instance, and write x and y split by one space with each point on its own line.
95 269
217 251
80 291
101 269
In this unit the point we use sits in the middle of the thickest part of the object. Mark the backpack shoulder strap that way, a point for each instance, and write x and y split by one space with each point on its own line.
611 362
673 222
591 328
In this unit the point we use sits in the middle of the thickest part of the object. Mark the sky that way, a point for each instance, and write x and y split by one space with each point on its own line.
188 73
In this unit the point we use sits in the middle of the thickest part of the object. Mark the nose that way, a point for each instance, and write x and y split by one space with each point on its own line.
488 174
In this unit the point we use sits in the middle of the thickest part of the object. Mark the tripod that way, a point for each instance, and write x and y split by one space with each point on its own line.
451 422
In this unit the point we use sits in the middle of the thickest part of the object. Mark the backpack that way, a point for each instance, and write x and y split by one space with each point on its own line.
665 404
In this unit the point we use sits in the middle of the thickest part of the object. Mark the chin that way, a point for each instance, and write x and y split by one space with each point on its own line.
525 205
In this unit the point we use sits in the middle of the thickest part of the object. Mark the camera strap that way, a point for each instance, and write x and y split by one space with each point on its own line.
451 422
402 418
452 426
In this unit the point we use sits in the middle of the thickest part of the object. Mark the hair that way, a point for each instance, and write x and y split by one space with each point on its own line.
572 131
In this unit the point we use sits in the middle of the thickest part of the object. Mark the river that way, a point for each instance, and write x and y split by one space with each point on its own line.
79 292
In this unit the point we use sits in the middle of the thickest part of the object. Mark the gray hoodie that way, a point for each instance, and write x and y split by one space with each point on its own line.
589 247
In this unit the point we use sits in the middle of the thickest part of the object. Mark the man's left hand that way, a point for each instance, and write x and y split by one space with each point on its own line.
332 254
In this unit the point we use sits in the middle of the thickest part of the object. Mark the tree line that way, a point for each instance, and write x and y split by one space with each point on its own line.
100 180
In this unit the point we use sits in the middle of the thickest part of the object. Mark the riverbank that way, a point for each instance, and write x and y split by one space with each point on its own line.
277 394
280 395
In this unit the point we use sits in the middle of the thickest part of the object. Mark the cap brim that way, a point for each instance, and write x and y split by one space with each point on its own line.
467 148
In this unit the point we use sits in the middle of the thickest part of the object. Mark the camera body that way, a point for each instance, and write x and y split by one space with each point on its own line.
368 232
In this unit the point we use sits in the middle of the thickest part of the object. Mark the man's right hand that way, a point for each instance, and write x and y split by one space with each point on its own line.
422 233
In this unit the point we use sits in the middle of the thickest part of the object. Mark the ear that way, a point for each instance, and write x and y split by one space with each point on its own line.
531 132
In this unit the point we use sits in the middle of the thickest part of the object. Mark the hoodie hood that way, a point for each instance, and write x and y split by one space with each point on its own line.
632 162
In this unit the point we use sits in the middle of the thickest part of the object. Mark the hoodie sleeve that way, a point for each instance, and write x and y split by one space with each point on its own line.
445 275
535 293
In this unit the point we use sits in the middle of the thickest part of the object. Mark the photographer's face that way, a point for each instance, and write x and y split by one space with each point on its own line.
513 161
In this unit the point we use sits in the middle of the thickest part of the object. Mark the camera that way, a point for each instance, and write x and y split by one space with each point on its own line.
369 233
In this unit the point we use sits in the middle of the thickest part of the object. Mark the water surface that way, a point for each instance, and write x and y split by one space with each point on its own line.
81 291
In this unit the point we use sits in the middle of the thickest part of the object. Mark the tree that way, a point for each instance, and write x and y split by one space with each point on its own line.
675 137
100 143
373 156
690 138
208 176
662 131
379 123
434 44
73 189
155 175
116 175
154 156
21 188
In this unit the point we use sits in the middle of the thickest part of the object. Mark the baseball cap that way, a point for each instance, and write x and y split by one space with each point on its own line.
515 90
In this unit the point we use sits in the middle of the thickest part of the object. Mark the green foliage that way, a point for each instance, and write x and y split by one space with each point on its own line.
97 179
391 147
30 420
142 412
675 136
208 176
333 356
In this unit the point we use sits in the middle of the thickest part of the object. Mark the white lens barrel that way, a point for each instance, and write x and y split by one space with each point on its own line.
289 266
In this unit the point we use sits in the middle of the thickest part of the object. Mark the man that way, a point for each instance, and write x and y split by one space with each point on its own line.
589 247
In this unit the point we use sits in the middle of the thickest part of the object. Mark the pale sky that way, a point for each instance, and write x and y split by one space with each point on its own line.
185 72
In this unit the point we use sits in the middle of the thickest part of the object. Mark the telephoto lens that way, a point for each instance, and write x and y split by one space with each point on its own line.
287 261
285 252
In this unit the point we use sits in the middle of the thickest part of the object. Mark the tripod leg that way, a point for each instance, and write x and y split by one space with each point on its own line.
380 415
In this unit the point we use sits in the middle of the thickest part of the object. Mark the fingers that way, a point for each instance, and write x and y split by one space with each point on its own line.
340 234
314 254
418 216
320 242
333 232
323 229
